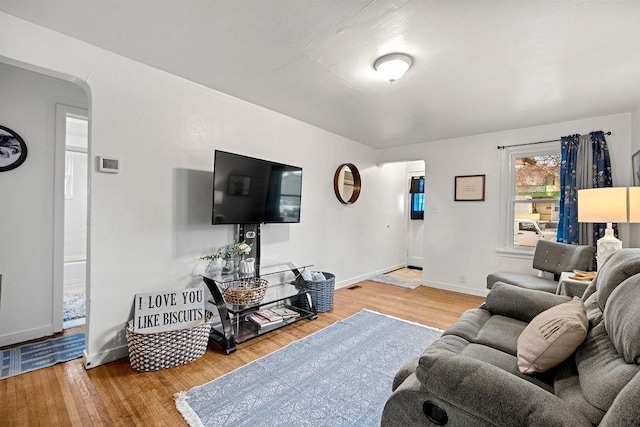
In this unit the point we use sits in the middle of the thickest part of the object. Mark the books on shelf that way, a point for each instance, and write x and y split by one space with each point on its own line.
273 316
285 312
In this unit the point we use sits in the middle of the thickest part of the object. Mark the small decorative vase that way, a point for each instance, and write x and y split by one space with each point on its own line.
229 266
215 266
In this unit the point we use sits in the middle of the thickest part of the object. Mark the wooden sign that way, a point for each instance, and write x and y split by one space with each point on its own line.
168 310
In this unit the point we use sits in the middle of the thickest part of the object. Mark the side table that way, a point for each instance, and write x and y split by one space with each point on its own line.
571 287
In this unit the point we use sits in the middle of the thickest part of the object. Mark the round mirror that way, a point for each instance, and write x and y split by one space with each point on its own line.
346 183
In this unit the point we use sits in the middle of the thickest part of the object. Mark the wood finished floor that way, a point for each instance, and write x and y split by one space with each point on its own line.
114 394
412 274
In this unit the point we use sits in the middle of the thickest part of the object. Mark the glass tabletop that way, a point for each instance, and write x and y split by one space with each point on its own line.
263 270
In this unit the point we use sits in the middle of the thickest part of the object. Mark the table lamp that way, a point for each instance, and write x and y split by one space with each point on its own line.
608 204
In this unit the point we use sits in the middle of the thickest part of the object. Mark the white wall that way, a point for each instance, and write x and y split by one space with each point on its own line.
461 238
27 106
150 222
634 229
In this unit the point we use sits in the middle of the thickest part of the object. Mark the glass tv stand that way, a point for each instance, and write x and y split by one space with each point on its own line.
287 289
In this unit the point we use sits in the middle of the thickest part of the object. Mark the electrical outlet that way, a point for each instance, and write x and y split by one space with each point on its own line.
462 278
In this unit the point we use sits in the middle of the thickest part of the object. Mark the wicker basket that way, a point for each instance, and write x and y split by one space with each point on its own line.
245 291
321 293
150 352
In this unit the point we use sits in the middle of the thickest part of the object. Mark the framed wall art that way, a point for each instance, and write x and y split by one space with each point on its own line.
469 188
13 150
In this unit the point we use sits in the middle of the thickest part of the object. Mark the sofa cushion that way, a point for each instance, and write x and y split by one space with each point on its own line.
591 289
501 333
557 257
594 314
603 372
469 324
518 303
526 281
616 269
508 363
552 337
566 385
621 319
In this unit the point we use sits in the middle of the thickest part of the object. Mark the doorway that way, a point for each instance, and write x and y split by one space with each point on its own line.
76 126
415 218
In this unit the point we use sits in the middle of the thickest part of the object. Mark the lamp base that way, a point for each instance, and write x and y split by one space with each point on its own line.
607 246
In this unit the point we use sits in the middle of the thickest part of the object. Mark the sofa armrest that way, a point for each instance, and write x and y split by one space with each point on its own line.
519 303
467 386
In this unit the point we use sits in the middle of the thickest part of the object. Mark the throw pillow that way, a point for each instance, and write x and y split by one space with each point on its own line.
552 336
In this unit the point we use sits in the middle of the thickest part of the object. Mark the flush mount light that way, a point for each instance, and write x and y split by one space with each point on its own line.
393 66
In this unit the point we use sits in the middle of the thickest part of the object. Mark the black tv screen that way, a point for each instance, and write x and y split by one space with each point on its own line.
254 191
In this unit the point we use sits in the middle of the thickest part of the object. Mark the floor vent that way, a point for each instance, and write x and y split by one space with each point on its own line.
354 287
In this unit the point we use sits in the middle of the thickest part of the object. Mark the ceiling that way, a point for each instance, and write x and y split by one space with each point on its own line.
479 66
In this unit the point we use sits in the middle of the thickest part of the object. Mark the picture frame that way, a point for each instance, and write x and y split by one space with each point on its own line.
635 168
13 149
239 185
469 188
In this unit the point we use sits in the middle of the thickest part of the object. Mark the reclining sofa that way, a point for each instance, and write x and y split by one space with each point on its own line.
470 375
550 257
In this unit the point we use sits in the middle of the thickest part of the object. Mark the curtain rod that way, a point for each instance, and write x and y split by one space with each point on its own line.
501 147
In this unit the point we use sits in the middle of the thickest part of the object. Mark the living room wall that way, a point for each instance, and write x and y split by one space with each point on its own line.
461 238
634 229
150 222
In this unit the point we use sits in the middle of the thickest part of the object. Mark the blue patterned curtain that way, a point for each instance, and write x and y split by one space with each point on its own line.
568 231
601 175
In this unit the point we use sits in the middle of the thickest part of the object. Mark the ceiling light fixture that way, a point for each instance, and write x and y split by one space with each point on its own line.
393 66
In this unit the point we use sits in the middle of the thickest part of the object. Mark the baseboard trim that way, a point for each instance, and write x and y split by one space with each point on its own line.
28 335
457 288
97 359
357 279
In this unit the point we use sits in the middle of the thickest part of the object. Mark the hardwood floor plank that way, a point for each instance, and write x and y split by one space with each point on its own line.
114 394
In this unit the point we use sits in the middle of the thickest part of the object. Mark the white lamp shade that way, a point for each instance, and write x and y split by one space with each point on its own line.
634 204
607 204
393 66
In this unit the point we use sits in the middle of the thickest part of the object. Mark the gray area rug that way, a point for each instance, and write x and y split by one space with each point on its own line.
339 376
74 306
29 357
390 280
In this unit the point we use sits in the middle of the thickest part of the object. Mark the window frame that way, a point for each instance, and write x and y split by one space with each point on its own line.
507 194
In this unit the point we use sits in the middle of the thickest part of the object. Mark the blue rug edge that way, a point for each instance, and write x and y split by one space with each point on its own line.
58 360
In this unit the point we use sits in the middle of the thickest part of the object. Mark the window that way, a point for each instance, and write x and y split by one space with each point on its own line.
417 197
531 194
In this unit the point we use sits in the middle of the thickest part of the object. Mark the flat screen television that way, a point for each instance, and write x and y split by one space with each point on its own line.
247 190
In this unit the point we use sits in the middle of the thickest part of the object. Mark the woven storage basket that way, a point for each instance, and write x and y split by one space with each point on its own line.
150 352
245 291
321 293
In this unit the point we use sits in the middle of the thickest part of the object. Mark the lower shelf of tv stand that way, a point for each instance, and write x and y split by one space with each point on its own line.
245 330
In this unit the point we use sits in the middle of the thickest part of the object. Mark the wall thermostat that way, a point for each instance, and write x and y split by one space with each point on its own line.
108 164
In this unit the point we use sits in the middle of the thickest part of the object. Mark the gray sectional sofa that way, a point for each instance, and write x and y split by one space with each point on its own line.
550 257
470 376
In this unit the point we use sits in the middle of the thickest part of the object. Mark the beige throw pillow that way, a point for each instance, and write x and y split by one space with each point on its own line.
552 336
